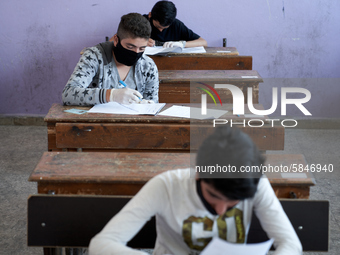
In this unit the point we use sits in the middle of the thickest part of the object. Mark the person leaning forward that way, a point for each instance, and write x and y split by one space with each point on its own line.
169 31
116 71
192 206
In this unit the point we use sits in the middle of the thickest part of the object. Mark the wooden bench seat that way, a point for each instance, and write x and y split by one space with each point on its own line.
123 173
174 85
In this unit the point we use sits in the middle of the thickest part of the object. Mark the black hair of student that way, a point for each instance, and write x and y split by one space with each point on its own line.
134 25
164 12
230 147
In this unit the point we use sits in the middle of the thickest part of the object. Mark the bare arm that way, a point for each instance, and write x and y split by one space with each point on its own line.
196 43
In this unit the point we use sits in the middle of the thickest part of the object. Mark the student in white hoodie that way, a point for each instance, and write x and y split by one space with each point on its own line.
192 208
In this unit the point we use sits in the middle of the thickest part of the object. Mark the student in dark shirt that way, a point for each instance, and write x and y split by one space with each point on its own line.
169 31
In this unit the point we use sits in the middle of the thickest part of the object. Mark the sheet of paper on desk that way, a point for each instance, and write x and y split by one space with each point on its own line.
199 49
159 50
191 112
134 109
219 246
76 111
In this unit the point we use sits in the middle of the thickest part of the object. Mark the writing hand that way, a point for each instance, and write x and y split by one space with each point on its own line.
173 44
125 96
151 43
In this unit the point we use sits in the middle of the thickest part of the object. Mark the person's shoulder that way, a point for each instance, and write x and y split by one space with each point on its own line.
177 174
264 181
146 58
92 49
146 62
103 51
172 183
177 23
264 189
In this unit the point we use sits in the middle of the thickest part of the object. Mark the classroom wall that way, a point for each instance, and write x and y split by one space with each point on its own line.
293 44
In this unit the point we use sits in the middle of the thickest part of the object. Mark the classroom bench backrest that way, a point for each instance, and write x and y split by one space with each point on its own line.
71 221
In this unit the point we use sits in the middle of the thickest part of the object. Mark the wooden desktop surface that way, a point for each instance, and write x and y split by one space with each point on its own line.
215 58
109 173
100 132
180 86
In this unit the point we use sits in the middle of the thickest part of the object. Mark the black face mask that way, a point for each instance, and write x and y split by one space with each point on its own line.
206 204
125 56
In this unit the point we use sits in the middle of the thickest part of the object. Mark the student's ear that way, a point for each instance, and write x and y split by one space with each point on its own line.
115 40
149 15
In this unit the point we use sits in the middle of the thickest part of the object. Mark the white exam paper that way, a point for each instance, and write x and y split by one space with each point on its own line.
134 109
219 246
249 77
194 113
294 175
163 51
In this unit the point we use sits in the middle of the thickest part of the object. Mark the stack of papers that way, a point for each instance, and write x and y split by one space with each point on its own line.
159 50
134 109
219 246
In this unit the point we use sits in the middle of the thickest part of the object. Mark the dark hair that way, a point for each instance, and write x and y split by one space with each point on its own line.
134 25
164 12
230 147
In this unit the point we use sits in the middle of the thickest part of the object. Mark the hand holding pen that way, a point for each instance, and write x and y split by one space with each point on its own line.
125 95
151 43
141 100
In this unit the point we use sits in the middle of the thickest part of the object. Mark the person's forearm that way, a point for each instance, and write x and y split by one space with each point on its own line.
128 222
108 94
196 43
83 96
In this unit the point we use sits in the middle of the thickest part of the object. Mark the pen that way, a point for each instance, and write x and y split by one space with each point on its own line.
123 83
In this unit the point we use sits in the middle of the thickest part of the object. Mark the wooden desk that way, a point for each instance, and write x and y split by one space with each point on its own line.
174 85
99 132
213 59
109 173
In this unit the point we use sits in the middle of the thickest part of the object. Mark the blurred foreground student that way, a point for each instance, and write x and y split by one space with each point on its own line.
116 71
169 31
190 211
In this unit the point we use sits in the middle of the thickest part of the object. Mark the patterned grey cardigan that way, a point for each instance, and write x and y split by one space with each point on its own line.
96 72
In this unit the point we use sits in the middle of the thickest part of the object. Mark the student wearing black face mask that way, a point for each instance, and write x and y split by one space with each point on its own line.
116 71
169 31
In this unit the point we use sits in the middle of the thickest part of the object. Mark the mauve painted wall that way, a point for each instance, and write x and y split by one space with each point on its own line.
293 43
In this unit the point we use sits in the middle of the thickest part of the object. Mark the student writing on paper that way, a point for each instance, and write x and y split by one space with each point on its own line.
116 71
169 31
191 211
